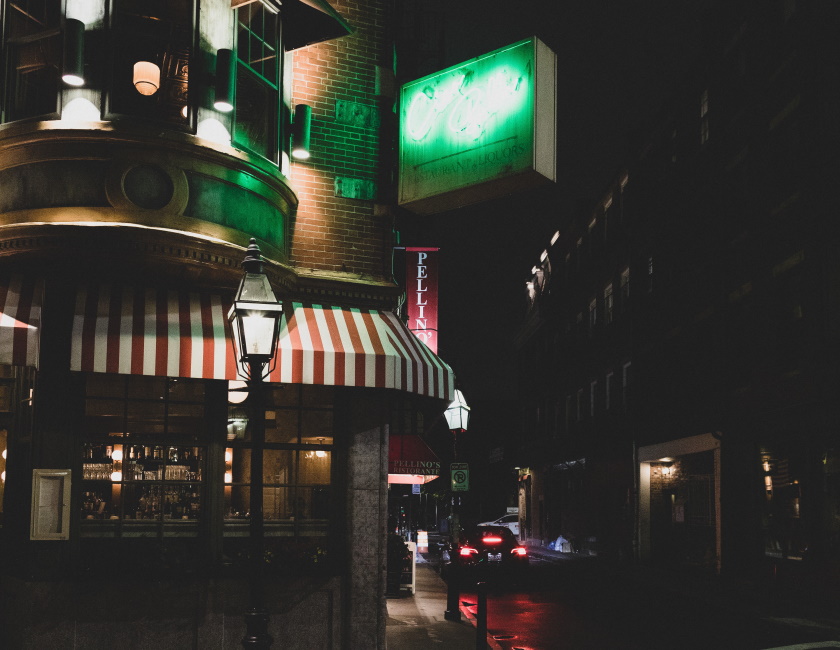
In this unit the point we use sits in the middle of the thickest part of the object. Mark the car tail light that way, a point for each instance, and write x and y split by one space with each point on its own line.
520 551
492 539
466 551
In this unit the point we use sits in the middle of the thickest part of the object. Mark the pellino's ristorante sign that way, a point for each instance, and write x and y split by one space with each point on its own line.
421 292
480 129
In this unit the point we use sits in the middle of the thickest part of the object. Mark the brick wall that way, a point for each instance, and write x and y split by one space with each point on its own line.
340 229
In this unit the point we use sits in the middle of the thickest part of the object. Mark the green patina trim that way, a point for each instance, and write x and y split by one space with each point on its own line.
236 207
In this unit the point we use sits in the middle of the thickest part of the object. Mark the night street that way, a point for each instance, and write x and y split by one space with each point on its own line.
292 291
583 603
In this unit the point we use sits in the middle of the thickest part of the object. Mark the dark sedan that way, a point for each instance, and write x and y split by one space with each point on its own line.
486 549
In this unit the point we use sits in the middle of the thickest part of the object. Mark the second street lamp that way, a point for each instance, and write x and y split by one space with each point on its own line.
457 416
255 320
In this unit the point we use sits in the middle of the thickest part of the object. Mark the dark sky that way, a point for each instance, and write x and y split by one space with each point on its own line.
617 61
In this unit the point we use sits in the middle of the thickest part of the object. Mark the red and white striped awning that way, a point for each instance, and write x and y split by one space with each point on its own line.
179 334
149 331
20 320
357 347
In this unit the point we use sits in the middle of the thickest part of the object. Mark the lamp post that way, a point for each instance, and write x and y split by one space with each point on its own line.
255 320
457 416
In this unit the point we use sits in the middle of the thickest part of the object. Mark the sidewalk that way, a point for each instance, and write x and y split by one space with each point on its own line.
417 622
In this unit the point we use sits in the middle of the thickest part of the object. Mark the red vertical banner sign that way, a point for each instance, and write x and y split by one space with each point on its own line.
421 288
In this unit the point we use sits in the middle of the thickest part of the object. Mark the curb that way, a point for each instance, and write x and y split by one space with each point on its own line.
491 642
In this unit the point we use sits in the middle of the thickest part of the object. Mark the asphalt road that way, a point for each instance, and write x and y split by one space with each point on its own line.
580 605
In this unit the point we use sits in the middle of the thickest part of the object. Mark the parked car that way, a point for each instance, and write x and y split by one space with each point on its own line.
485 550
508 521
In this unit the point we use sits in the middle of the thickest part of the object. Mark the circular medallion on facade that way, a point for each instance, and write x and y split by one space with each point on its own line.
148 186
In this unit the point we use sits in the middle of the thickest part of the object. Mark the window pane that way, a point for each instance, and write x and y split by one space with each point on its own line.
186 420
100 385
34 57
186 391
315 467
255 118
257 81
313 504
289 395
278 503
142 387
317 427
237 498
278 467
145 418
317 396
160 33
282 426
257 41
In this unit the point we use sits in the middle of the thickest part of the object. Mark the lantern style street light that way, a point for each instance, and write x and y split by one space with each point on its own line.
457 414
255 320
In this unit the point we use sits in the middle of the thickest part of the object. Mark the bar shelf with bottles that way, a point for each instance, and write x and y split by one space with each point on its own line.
131 489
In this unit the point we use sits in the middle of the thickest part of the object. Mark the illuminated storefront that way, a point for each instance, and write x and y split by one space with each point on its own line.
141 146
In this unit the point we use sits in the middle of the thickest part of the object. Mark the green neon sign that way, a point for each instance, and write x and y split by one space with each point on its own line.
462 106
470 124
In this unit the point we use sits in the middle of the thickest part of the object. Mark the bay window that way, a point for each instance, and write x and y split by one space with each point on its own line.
258 78
32 58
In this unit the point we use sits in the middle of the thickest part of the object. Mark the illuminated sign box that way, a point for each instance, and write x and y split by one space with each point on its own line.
480 129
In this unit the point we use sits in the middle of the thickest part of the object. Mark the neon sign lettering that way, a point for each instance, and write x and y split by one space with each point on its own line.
465 101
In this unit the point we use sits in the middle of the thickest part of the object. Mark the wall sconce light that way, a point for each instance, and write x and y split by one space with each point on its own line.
225 81
667 471
229 465
116 458
301 130
73 69
146 77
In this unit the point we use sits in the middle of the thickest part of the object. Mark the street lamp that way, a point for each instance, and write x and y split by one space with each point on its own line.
457 416
255 320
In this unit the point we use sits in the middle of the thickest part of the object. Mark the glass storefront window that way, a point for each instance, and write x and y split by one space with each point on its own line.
143 466
297 480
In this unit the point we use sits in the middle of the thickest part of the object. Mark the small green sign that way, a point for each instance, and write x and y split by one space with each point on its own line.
460 473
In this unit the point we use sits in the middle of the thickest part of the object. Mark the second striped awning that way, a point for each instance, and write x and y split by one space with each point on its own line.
356 347
179 334
20 320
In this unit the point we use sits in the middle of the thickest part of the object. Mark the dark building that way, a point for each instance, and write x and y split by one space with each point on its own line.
142 144
680 344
